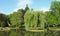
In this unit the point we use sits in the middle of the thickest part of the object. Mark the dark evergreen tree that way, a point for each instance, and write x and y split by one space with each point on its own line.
26 8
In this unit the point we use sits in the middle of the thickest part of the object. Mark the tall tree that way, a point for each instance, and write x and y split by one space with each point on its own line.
26 8
55 11
3 20
16 19
30 19
42 20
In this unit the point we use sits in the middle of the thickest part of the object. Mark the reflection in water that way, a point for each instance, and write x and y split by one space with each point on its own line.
52 33
4 33
34 34
17 33
24 33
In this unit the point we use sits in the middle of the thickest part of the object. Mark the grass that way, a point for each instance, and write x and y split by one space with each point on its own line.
4 29
36 30
7 28
32 30
43 30
54 29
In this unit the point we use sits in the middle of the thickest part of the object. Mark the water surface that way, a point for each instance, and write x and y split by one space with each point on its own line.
27 33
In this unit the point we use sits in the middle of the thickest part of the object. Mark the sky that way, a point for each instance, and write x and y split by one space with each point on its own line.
9 6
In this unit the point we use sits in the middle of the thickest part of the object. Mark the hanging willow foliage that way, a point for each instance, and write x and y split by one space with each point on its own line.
34 19
30 19
42 20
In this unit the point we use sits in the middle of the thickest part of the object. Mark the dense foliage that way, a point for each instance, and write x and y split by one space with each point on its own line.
30 19
33 19
16 19
3 20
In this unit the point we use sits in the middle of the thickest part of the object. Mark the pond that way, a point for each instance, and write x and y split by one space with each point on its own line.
27 33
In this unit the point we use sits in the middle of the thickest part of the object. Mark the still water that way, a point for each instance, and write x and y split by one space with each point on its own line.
26 33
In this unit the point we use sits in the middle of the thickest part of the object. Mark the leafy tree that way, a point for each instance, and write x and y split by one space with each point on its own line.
2 24
55 12
50 19
55 6
16 19
34 19
30 19
42 20
3 20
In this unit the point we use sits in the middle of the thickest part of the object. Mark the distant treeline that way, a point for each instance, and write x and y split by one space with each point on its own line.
30 18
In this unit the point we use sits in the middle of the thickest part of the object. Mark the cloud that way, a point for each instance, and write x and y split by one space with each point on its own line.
3 12
44 9
22 4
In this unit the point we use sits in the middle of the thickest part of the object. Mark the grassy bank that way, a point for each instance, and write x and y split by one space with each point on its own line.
4 29
54 29
42 30
7 28
38 30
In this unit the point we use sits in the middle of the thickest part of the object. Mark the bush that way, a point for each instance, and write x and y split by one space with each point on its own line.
2 24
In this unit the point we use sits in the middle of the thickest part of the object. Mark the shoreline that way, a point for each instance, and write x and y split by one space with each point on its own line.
44 30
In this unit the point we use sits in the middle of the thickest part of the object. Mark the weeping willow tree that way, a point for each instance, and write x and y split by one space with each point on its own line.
30 19
42 20
34 19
